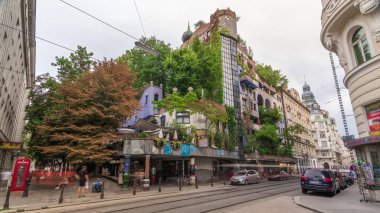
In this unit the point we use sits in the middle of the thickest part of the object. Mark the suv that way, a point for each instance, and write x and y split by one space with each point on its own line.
245 177
320 180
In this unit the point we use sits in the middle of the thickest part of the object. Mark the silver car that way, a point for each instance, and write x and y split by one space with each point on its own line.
245 177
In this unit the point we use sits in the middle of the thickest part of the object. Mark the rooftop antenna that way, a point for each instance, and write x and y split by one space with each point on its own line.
339 95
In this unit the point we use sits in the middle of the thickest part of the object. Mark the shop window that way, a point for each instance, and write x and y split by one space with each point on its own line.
374 158
360 46
183 117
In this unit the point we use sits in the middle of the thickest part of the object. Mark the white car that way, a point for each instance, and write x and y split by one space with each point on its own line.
245 177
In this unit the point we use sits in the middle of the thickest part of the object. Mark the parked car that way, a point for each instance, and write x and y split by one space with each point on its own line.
346 176
339 176
245 177
320 180
282 175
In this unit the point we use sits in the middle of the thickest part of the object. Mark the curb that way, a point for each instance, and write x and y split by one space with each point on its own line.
122 197
297 200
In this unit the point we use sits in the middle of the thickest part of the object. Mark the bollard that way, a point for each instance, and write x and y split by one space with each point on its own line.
61 195
196 182
102 190
212 181
6 203
224 182
180 184
134 187
159 184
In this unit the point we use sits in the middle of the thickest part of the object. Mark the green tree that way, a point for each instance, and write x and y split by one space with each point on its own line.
271 76
267 140
290 135
70 69
148 67
269 116
182 67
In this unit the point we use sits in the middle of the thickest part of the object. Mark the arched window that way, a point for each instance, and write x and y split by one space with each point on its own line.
360 46
267 104
260 100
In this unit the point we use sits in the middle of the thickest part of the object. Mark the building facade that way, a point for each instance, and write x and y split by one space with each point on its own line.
351 29
295 112
329 145
17 70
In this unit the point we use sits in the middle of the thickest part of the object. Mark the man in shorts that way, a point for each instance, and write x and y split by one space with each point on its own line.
83 178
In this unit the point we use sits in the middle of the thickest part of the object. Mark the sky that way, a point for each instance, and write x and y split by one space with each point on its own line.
284 34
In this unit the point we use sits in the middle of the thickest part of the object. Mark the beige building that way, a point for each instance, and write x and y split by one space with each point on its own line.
17 70
351 29
295 112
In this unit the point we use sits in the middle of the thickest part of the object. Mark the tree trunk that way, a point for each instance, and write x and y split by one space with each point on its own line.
97 170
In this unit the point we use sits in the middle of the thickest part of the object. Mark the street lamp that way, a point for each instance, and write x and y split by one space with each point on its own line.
146 48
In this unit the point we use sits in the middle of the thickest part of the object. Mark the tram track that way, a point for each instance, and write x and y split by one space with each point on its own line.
211 198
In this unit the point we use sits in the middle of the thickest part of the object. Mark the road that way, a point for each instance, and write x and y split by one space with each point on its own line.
223 199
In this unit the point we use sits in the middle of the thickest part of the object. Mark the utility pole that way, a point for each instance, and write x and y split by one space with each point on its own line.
339 95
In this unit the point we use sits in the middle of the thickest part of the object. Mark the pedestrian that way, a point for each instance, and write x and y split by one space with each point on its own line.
82 177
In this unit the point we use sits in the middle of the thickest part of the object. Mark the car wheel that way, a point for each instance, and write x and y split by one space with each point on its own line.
338 190
257 180
246 182
304 191
332 194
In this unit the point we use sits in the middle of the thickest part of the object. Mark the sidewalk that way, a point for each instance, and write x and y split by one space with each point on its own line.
48 197
346 201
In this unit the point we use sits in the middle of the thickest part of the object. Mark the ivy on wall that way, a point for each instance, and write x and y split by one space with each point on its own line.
232 128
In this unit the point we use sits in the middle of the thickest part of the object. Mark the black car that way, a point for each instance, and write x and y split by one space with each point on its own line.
346 175
320 180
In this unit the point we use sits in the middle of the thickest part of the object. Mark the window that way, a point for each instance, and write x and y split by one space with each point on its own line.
360 46
156 96
322 134
183 117
324 143
162 120
146 99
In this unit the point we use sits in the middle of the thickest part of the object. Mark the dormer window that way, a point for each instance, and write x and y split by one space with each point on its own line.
360 46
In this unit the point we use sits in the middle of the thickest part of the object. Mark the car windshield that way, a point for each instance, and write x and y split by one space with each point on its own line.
240 173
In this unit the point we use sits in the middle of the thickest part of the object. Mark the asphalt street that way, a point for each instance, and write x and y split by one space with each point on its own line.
202 201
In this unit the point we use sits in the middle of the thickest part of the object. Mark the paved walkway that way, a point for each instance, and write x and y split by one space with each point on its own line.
46 197
347 201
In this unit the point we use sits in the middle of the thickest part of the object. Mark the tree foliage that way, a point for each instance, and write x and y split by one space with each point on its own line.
42 96
83 124
269 115
271 76
267 140
290 135
147 67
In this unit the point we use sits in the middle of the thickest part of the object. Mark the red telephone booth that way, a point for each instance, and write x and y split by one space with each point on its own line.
20 174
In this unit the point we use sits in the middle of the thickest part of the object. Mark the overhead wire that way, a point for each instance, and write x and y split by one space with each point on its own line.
43 39
138 13
100 20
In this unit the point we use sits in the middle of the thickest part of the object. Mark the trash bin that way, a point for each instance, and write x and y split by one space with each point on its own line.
145 184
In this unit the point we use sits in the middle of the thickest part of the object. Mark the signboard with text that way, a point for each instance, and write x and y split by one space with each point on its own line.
373 118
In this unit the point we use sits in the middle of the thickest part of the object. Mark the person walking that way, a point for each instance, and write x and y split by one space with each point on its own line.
82 176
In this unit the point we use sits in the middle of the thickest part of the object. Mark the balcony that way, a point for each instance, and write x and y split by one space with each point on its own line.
324 148
248 81
325 157
146 147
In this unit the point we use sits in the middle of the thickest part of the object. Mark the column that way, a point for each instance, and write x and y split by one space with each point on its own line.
147 166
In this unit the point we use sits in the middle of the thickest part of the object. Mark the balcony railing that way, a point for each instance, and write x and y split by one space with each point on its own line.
146 147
